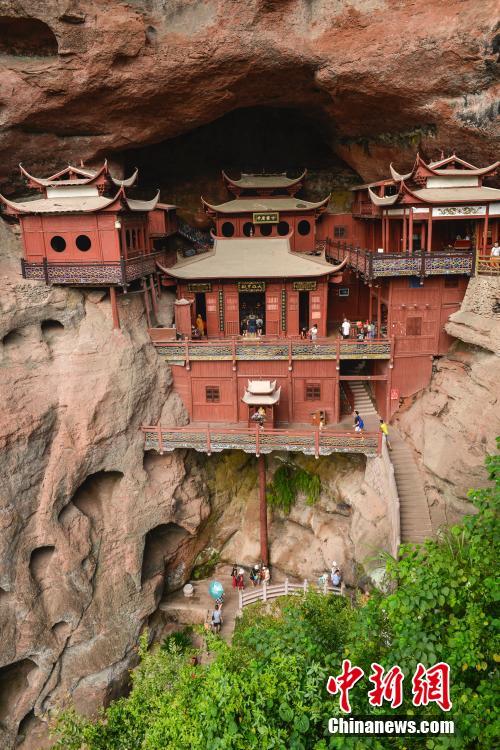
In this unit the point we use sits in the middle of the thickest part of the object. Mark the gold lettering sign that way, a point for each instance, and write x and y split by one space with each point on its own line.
202 287
251 286
304 286
266 217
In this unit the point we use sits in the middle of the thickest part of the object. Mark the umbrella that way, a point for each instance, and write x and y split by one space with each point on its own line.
215 589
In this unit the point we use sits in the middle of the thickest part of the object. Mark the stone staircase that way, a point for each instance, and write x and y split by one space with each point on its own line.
414 512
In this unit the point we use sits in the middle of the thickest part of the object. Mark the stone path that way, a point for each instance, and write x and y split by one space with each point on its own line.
414 511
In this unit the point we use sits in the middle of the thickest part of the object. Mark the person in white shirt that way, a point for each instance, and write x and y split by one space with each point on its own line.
346 328
495 250
313 332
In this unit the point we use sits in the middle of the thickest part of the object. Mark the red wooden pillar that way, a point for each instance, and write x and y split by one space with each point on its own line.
370 302
429 231
405 236
114 307
379 311
485 229
422 236
261 463
410 231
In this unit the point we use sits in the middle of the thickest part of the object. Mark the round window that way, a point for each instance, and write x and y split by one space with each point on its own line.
227 229
83 243
58 243
303 227
283 228
248 229
266 229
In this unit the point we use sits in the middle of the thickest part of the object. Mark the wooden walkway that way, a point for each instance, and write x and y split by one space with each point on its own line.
265 592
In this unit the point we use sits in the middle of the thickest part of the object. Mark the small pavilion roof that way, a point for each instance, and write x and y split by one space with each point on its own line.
252 258
264 181
127 182
84 176
73 204
387 200
261 386
270 399
457 195
258 203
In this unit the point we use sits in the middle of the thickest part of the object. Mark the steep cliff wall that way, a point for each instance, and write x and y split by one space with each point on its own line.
454 422
89 530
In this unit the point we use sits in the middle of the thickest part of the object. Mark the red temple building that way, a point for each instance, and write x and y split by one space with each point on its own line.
86 230
401 259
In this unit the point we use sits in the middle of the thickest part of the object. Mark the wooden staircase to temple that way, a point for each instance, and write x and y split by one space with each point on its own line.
414 511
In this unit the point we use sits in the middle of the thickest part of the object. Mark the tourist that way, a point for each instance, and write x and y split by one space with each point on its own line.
234 575
255 575
361 334
495 250
261 416
200 325
322 420
346 329
313 332
303 333
336 577
260 326
195 334
385 432
371 330
264 574
216 619
359 425
240 581
252 325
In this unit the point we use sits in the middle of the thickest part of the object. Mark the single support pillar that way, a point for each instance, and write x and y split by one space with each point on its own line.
153 296
261 462
379 312
114 307
146 301
485 230
405 236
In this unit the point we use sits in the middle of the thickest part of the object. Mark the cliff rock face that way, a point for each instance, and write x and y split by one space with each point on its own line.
82 78
454 422
91 532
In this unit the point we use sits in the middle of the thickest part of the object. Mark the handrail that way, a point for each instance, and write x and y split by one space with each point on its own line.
487 265
418 263
265 592
216 438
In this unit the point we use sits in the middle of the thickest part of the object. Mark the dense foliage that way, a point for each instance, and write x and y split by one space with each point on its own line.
268 689
288 481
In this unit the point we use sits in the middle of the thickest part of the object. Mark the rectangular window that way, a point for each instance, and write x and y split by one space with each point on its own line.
339 232
450 282
413 326
212 393
313 392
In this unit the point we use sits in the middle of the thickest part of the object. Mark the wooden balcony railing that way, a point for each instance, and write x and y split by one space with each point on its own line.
214 439
268 349
487 265
421 263
93 272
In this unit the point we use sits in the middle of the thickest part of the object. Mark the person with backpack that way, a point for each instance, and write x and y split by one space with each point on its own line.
385 432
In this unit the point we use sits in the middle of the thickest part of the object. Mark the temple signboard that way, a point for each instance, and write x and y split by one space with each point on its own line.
459 211
266 217
304 286
251 286
200 287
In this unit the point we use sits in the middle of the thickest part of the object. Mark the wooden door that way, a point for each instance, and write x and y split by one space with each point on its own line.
212 315
292 313
273 293
231 314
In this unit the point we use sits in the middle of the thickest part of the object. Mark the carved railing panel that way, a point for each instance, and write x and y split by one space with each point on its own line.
215 439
